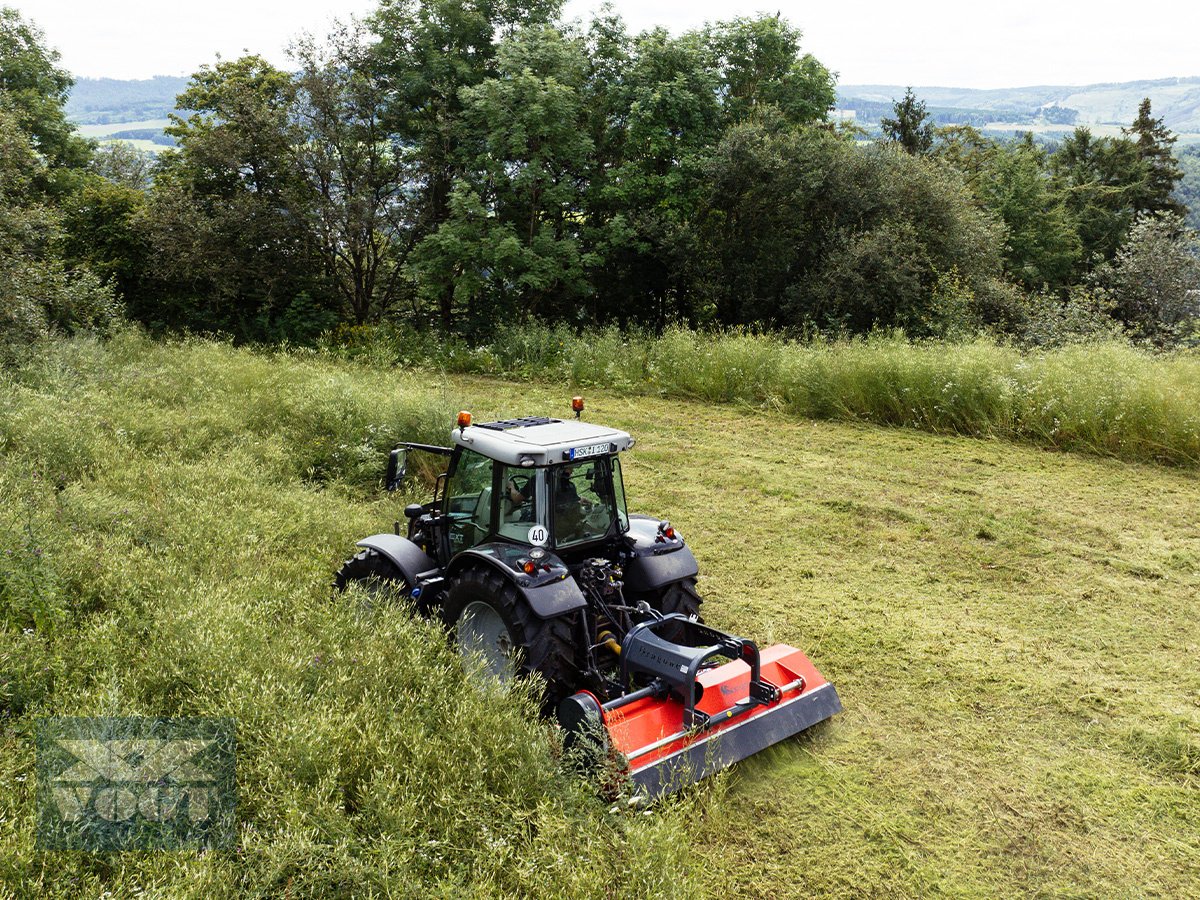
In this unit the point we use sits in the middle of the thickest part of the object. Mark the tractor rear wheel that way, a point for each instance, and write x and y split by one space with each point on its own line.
378 576
500 637
677 597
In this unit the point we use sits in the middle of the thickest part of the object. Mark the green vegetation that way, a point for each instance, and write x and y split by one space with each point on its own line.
457 167
456 192
1189 187
1105 398
1013 634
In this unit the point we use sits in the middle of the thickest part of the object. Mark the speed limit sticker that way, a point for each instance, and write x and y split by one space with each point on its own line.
538 535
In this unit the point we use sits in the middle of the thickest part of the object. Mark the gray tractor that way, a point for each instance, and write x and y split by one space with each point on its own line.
527 552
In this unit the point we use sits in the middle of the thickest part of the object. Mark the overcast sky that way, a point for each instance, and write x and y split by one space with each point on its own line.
953 43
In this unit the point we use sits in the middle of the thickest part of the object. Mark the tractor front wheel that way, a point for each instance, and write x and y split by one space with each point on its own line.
500 637
377 575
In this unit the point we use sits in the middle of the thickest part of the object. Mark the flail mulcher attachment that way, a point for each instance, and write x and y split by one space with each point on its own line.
683 717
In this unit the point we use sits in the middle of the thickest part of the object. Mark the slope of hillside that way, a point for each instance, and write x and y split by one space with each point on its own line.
1013 633
105 101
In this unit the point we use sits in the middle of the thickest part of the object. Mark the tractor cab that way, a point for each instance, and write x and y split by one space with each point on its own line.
534 481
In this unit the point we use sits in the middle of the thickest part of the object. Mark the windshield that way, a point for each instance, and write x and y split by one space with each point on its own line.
584 500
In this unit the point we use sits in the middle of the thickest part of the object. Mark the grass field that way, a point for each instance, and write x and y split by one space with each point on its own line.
101 131
1013 632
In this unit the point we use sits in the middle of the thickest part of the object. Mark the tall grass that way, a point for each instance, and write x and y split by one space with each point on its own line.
172 518
1106 398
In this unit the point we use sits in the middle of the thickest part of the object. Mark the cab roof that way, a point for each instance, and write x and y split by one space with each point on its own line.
540 441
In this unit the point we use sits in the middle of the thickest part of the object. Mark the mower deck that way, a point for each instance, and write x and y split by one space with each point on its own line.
664 756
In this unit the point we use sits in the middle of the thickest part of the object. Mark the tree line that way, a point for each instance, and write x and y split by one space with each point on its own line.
460 164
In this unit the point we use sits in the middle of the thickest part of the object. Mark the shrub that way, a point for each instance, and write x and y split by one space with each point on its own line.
1154 282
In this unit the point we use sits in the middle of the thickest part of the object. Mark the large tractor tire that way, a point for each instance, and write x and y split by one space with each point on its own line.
494 628
378 576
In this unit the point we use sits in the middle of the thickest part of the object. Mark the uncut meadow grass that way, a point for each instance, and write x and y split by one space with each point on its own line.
1105 398
172 521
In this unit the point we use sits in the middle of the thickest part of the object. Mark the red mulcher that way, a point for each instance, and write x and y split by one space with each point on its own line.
528 553
692 719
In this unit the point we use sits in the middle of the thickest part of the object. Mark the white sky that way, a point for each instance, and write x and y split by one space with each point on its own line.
955 43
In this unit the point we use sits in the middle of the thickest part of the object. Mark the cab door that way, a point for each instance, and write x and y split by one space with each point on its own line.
471 500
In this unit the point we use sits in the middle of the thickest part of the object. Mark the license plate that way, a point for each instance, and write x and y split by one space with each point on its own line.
585 452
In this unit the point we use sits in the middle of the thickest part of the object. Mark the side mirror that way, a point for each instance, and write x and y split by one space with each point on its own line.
397 468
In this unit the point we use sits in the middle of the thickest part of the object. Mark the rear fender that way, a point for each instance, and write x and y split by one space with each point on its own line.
549 593
654 559
408 557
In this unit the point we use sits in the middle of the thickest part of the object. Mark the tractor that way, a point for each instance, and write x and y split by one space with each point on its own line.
528 554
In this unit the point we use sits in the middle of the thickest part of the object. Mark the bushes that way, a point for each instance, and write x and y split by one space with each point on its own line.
1154 281
38 300
802 226
39 293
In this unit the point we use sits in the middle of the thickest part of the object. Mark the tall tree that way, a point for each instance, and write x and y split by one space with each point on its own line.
428 52
1100 180
1042 245
665 118
1163 173
758 63
360 200
34 89
235 254
529 176
912 127
965 149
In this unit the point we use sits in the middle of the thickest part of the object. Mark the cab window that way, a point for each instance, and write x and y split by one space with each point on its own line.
469 501
584 502
522 501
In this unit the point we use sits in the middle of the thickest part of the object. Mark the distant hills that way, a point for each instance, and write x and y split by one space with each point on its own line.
110 101
1046 110
1043 109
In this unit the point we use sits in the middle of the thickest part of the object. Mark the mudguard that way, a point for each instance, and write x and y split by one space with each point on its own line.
550 592
408 557
655 560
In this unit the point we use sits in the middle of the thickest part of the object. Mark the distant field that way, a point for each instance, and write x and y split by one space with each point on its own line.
1013 631
100 131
